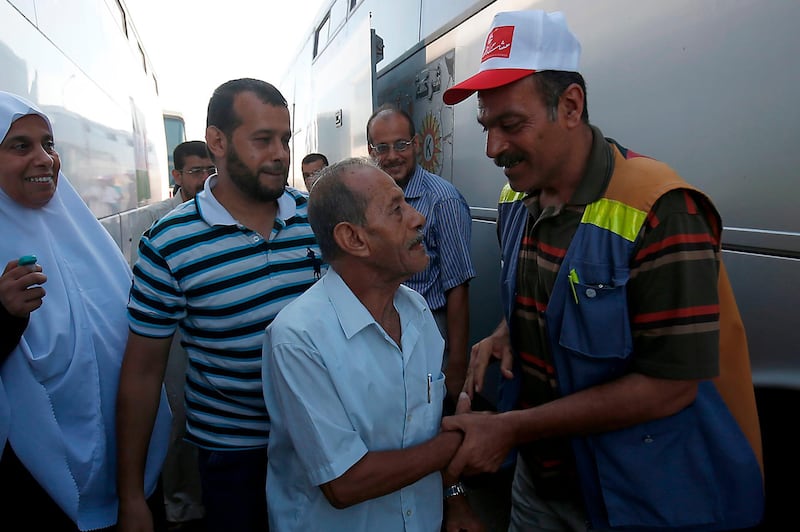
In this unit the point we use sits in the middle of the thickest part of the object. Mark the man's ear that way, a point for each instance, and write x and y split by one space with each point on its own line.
350 239
176 177
571 104
217 142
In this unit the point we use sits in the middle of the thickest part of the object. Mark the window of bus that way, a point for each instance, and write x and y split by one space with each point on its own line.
322 34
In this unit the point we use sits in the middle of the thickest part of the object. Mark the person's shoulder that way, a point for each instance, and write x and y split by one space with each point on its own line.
441 186
300 197
181 210
684 200
296 201
412 296
303 311
179 219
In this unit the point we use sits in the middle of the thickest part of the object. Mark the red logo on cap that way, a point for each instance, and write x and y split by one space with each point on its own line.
498 43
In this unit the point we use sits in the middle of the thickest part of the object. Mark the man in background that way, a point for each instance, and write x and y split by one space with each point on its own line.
180 476
310 166
193 165
444 284
220 268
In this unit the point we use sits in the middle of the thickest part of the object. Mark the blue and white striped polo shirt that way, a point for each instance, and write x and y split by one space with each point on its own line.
223 283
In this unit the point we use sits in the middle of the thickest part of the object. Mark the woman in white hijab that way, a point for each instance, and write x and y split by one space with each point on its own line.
60 352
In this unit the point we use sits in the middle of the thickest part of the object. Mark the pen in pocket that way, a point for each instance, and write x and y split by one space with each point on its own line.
429 387
573 280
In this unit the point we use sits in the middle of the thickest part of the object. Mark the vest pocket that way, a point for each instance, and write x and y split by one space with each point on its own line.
595 320
657 474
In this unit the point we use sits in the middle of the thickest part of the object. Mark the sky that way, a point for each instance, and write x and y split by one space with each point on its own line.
196 45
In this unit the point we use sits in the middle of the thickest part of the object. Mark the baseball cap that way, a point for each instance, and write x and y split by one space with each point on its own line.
520 43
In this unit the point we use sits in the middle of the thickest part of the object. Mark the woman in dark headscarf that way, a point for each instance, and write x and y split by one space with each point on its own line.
64 328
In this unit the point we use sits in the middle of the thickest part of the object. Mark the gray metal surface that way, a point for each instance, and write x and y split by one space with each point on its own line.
707 87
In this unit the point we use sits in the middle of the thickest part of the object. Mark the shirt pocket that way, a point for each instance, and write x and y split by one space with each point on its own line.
435 403
595 321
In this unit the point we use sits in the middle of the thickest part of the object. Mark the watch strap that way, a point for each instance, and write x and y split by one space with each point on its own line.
456 489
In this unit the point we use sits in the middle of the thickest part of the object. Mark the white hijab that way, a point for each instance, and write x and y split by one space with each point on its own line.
58 387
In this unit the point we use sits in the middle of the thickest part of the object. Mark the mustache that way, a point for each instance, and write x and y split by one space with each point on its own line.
416 240
507 159
277 168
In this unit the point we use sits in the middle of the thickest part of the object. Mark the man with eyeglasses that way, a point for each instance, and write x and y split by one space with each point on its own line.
192 167
310 166
180 476
393 143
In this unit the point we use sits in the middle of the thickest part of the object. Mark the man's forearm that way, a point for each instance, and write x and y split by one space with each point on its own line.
382 472
138 399
457 337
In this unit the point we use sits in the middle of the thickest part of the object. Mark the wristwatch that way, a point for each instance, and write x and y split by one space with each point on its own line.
456 489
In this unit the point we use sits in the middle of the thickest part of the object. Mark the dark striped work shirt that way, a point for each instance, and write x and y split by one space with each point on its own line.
672 294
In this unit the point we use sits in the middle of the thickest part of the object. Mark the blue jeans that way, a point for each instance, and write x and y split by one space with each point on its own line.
234 487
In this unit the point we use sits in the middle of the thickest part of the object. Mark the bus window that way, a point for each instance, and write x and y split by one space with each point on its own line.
175 129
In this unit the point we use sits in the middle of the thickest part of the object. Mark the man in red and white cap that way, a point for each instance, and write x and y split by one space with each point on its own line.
635 407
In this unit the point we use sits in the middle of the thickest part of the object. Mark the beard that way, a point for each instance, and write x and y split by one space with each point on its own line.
247 181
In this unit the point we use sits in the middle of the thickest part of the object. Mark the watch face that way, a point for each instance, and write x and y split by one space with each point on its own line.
455 489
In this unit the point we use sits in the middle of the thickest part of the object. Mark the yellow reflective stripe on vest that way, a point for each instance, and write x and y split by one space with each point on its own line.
507 195
620 219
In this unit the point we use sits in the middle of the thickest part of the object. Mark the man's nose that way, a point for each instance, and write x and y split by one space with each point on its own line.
495 144
420 219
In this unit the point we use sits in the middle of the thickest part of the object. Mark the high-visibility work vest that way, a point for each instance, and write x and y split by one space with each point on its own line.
699 469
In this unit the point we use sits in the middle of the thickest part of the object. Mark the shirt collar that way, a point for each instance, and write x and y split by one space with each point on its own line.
415 188
352 314
214 213
599 168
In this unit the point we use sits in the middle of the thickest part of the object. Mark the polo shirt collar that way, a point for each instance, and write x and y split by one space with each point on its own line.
214 213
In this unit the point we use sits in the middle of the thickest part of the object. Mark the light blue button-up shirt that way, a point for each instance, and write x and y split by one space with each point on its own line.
336 387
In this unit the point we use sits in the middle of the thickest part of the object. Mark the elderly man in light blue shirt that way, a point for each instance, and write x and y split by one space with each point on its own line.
352 374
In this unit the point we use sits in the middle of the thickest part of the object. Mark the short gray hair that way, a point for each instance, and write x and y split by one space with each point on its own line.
332 202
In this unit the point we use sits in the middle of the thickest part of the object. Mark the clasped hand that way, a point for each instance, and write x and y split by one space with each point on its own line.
488 438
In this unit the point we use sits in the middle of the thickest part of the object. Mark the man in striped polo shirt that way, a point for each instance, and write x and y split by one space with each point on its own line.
218 267
635 408
444 284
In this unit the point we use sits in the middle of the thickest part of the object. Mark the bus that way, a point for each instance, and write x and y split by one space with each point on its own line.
85 66
175 129
706 86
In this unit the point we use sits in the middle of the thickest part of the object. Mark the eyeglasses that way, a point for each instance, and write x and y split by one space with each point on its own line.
398 146
200 170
